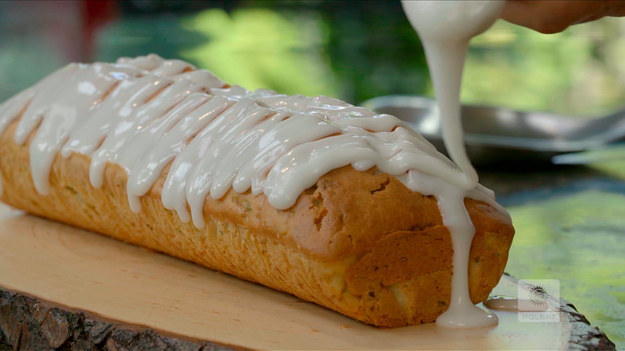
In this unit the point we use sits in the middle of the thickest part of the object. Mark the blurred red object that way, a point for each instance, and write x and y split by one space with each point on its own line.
66 30
96 13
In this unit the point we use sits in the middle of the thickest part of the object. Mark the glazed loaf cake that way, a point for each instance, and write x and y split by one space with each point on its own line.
360 242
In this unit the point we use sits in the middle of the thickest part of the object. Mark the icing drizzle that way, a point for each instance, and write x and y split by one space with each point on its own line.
146 112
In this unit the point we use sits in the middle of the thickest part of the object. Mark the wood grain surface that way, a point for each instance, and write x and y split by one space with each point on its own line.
50 272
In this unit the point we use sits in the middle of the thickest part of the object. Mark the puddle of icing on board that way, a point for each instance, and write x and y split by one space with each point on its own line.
145 113
445 29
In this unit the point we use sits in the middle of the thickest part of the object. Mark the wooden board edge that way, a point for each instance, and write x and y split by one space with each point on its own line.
30 323
583 335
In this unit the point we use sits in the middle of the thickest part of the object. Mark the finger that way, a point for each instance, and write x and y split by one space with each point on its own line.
553 16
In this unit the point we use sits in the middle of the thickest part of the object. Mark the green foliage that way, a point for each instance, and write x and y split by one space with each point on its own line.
566 72
259 48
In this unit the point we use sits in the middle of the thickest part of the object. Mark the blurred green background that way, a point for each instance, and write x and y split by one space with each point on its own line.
353 50
567 228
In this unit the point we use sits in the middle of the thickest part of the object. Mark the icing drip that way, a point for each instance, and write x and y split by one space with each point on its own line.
445 28
147 113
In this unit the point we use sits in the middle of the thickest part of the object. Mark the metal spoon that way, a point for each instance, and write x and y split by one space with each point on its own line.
499 135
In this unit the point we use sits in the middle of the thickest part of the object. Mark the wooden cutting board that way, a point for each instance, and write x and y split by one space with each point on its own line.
62 287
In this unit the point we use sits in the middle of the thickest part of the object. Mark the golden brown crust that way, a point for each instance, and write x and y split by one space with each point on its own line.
360 243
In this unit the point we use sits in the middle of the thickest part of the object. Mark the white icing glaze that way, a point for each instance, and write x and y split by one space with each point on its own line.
445 29
146 113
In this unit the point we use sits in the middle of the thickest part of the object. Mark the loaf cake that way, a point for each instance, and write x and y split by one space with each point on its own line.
311 196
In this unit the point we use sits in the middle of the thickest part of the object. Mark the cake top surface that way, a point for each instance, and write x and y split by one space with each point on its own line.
146 113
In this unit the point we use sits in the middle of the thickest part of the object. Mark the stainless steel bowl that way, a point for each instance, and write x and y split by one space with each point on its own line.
499 135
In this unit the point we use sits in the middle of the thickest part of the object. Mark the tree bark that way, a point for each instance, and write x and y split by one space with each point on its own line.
28 323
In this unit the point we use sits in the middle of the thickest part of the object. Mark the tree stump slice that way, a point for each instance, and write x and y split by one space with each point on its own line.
29 323
63 288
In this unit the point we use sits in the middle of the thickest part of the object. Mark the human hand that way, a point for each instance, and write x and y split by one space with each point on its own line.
553 16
